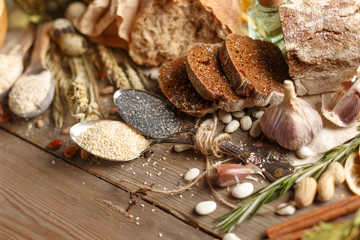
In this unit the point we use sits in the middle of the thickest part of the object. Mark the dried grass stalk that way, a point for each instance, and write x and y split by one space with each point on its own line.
113 69
133 77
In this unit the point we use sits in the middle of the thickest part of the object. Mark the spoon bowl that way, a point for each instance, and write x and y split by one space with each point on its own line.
19 93
80 128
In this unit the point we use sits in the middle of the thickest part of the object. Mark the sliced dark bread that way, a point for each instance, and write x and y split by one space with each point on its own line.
206 75
176 86
255 69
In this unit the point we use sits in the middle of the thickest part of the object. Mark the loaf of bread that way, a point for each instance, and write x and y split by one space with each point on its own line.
176 86
322 41
166 28
255 69
207 77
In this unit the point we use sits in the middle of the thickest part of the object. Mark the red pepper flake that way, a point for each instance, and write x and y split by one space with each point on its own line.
5 114
55 144
70 151
102 74
84 154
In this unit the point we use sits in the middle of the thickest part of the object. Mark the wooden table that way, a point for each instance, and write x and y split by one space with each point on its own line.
44 195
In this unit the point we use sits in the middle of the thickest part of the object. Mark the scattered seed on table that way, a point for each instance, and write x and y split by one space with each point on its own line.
224 116
245 123
65 131
70 151
205 208
230 236
192 174
232 126
304 152
55 144
181 148
255 129
39 123
242 190
258 114
285 209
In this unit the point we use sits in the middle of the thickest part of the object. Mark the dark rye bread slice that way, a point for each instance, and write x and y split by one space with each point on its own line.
255 69
176 86
206 75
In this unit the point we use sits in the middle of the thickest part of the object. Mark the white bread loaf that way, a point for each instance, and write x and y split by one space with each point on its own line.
166 28
322 40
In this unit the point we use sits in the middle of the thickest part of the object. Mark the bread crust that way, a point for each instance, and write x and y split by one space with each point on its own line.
176 86
255 69
153 47
207 77
322 41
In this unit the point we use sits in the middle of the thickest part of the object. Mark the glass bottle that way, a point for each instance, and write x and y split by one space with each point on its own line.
264 21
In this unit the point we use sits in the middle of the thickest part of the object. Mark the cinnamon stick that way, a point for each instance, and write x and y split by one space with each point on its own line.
326 213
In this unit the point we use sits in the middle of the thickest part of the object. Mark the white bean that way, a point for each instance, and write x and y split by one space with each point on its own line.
209 122
238 114
224 116
246 123
191 174
304 152
232 126
181 148
230 236
284 209
242 190
258 114
205 208
255 129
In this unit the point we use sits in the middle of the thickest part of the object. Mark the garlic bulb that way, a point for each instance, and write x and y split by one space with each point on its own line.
292 123
343 109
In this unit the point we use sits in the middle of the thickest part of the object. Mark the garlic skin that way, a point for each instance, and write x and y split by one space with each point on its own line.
292 123
343 109
228 174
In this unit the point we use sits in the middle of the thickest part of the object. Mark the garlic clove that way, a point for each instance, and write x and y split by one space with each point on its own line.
343 108
228 174
292 123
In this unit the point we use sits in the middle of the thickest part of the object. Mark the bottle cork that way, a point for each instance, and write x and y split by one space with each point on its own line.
270 3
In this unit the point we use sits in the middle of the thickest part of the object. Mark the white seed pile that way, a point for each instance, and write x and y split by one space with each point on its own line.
113 140
11 67
29 91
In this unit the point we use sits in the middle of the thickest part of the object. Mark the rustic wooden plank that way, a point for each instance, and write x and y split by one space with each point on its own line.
44 197
170 165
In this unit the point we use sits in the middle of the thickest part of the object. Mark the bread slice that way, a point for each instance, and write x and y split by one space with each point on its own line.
255 69
322 41
206 75
166 28
176 86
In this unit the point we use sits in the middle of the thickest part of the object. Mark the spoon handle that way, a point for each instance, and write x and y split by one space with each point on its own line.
175 140
41 44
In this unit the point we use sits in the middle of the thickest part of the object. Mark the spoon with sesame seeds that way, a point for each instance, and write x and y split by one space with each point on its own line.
115 140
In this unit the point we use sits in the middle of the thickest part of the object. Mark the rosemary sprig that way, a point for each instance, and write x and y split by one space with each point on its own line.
278 188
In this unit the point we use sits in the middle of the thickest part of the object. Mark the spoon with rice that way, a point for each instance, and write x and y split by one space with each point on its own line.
34 91
11 58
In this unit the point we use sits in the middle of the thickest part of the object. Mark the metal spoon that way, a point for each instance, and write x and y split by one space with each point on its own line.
18 48
79 128
36 66
146 112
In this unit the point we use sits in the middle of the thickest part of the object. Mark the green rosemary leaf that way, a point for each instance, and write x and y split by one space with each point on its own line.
281 186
